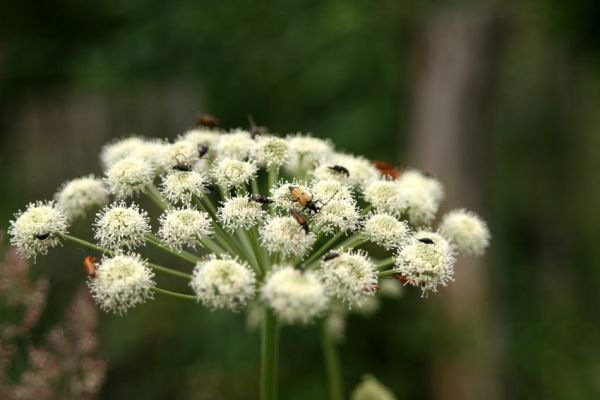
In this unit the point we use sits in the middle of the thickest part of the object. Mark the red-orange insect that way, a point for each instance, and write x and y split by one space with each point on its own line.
403 279
387 169
207 120
89 266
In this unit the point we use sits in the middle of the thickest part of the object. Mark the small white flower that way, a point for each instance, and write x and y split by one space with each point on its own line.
77 196
37 229
272 151
237 145
360 170
229 172
337 215
305 151
296 297
284 235
181 186
118 150
129 176
121 283
350 277
240 213
120 226
371 389
386 231
426 262
223 283
183 227
386 197
283 198
152 151
467 231
182 152
328 173
325 190
203 136
421 196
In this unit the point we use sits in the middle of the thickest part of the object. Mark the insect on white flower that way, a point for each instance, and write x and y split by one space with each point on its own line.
37 229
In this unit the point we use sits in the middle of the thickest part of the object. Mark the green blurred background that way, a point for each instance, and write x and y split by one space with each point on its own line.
499 99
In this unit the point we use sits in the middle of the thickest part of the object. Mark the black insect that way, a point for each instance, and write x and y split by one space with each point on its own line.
300 220
254 129
340 169
210 187
425 240
202 150
260 199
207 120
42 236
183 166
330 256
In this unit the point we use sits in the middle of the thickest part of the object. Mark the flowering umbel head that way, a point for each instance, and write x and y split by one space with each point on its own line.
119 226
37 229
467 231
77 196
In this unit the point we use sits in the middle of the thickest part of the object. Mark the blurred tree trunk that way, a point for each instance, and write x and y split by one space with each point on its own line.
456 56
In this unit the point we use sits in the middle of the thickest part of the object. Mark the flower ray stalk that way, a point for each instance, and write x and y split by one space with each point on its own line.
332 363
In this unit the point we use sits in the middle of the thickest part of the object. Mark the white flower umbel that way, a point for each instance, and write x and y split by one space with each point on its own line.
77 196
229 172
327 172
283 235
360 170
386 197
421 196
183 227
237 145
223 283
119 226
271 151
466 230
386 231
295 296
181 152
129 176
337 215
122 282
305 151
282 196
240 213
37 229
350 277
426 262
118 150
181 186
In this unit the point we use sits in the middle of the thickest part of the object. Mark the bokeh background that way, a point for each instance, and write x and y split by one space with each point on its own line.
499 99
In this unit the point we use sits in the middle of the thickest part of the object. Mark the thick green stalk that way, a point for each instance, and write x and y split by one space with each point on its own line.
269 356
385 263
329 244
156 197
389 272
332 363
175 295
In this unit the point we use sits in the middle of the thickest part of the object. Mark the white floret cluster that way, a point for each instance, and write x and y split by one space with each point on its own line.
278 221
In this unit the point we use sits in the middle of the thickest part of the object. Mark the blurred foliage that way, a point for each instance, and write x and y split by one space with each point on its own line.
342 69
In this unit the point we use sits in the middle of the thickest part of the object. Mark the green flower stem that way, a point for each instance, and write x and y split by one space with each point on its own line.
329 244
332 363
92 246
254 185
154 195
211 245
176 295
170 271
251 255
366 210
263 257
269 356
386 262
355 240
223 238
389 272
179 254
272 177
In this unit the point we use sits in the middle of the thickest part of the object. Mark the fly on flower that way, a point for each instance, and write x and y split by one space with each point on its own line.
260 199
339 169
182 165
